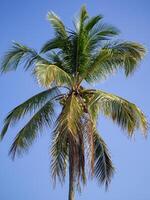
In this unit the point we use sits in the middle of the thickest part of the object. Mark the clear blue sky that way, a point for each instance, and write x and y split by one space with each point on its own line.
28 177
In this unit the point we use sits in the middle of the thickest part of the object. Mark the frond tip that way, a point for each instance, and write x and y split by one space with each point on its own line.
103 168
57 24
29 106
19 54
125 113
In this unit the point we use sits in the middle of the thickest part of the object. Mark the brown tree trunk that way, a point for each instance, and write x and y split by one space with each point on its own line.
71 177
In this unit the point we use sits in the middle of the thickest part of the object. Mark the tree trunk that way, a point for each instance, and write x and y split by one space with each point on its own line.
71 177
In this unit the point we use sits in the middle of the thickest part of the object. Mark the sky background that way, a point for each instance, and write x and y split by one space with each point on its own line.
28 178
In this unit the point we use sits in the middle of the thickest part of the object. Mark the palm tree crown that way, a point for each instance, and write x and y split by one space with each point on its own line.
73 57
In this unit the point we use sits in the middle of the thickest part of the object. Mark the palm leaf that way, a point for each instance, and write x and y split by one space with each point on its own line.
92 22
66 133
103 31
87 129
79 52
47 74
80 19
59 153
87 40
77 160
97 35
124 55
29 106
28 133
96 71
57 24
69 118
19 54
57 59
125 113
103 169
55 43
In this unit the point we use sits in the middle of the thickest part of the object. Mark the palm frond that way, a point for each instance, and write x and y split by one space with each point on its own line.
125 113
59 154
97 71
80 164
77 160
94 112
103 31
87 129
20 54
88 42
92 22
57 24
66 133
29 106
132 53
55 43
29 132
114 56
47 74
97 35
80 19
78 55
57 59
61 146
79 52
103 169
69 118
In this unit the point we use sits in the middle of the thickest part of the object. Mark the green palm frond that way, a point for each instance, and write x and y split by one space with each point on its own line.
87 39
78 56
64 49
59 154
92 22
97 70
58 60
29 132
103 31
20 54
55 43
125 113
83 14
80 19
29 106
48 74
96 34
57 24
78 41
132 53
103 168
114 56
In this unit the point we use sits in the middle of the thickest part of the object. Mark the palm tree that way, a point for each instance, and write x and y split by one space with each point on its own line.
65 66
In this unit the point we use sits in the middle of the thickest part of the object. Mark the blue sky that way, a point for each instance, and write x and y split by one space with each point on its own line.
28 178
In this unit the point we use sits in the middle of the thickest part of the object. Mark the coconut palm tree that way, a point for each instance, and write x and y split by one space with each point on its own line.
66 65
